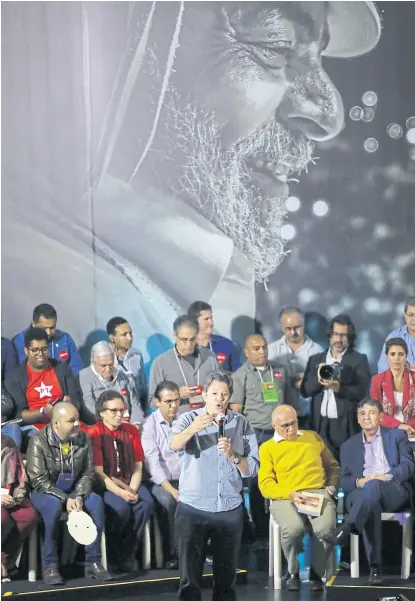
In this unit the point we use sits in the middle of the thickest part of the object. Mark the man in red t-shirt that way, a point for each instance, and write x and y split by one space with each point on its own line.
36 385
118 460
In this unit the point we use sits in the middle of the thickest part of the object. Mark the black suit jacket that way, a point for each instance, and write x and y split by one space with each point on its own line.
398 453
354 386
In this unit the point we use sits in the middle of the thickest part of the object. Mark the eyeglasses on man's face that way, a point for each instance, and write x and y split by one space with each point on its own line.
171 403
184 340
36 351
289 425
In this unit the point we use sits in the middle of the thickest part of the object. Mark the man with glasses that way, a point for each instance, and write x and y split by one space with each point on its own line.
291 463
186 364
118 461
162 465
293 351
406 332
36 385
334 398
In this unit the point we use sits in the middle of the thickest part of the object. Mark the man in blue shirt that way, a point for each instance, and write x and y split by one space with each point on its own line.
407 332
218 449
61 345
226 351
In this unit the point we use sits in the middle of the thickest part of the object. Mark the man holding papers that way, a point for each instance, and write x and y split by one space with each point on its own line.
300 475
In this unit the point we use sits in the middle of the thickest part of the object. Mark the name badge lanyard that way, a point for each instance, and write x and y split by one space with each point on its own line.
260 375
181 369
117 456
60 448
117 384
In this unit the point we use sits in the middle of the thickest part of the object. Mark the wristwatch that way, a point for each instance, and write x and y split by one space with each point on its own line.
236 459
42 410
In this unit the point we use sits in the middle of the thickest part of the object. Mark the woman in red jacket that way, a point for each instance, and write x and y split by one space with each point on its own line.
395 388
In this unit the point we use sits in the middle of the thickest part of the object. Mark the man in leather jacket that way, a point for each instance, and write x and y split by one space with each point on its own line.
59 466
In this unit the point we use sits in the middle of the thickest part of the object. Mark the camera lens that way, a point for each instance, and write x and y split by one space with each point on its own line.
327 372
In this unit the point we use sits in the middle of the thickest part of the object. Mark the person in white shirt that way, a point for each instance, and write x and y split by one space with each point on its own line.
127 358
293 351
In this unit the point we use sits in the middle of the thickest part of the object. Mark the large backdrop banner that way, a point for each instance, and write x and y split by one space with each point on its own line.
248 154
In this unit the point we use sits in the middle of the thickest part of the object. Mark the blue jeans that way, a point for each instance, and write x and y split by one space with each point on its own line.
51 508
19 434
125 523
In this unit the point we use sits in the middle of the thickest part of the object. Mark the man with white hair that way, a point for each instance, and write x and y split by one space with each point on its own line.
102 375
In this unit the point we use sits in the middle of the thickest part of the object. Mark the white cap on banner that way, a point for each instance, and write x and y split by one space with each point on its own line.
354 28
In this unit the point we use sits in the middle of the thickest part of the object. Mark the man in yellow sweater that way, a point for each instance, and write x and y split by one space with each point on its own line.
292 462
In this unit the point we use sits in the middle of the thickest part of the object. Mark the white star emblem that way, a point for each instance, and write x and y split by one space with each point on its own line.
44 390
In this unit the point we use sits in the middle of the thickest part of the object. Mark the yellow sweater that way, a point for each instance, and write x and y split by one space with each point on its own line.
296 465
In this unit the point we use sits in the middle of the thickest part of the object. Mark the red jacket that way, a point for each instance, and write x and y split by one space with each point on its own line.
382 390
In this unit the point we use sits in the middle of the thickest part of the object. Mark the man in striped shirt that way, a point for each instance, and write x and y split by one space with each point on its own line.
219 448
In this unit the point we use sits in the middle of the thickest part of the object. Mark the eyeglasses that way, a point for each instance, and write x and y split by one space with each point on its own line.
174 402
341 336
186 339
287 426
115 411
35 351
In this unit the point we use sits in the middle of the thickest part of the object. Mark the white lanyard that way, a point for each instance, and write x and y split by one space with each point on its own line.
60 448
117 455
210 346
260 375
180 367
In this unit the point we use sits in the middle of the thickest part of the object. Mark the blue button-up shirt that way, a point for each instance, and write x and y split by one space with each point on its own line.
208 480
401 332
375 461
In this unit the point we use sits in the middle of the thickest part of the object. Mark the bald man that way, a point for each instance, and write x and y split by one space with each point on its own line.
258 387
290 463
59 466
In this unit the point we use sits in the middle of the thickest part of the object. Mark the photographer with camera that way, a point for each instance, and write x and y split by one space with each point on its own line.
336 380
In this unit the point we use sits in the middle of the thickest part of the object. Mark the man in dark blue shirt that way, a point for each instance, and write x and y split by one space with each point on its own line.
226 351
61 345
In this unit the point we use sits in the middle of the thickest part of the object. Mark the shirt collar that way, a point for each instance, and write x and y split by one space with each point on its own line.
279 438
376 436
340 357
160 419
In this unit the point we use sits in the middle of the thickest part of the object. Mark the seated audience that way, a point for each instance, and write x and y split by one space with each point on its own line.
61 345
210 501
395 388
128 358
18 516
186 364
407 332
377 466
227 352
258 387
291 463
60 470
118 461
334 400
35 385
162 465
103 375
293 351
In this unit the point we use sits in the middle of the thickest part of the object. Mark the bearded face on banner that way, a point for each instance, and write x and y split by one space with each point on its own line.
238 95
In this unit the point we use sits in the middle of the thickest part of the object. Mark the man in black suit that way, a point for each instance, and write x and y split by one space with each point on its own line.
334 400
377 466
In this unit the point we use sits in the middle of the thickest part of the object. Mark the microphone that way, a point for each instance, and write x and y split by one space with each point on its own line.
220 418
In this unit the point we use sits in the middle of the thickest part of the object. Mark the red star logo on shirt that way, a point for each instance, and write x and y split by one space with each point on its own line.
44 390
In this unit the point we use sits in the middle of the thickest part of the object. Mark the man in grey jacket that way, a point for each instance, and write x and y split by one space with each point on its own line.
187 365
103 375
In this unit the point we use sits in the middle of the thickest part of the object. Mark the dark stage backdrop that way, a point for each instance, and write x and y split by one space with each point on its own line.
249 154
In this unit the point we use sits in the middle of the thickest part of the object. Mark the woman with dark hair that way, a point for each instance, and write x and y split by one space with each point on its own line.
395 388
118 460
18 516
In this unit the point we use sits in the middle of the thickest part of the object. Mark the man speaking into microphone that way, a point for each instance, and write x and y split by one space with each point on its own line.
219 448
